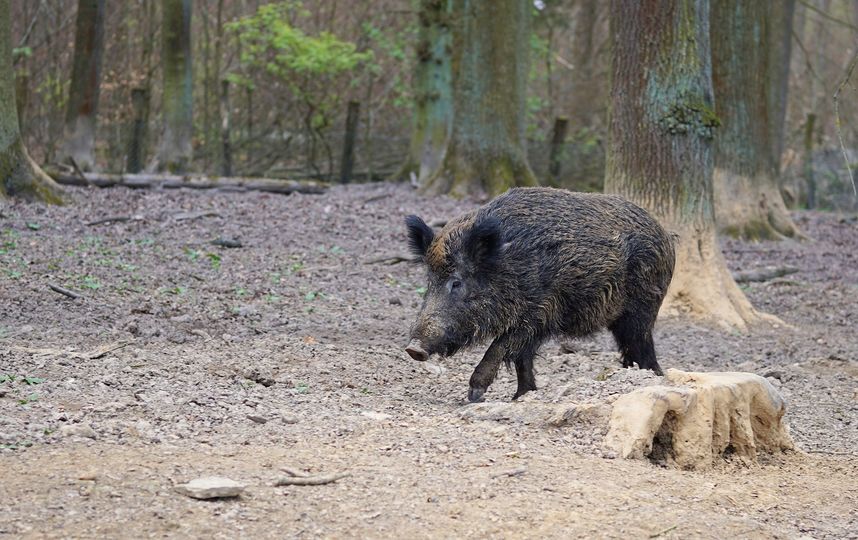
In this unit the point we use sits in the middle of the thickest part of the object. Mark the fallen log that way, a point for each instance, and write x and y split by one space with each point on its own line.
764 273
174 181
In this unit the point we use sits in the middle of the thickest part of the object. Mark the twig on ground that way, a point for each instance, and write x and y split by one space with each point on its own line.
390 260
115 219
227 242
763 274
319 480
295 472
104 349
843 83
832 453
512 472
184 216
63 291
665 531
376 198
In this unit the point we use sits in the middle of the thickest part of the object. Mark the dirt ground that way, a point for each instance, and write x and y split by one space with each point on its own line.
183 358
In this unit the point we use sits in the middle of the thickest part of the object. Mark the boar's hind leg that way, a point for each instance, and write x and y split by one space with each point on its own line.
633 332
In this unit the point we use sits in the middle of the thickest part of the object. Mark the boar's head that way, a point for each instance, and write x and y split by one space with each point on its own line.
459 307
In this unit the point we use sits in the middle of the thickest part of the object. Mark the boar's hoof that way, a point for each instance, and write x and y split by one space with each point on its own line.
416 351
475 395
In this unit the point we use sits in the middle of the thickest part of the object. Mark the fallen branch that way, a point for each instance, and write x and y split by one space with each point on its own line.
63 291
763 274
319 480
172 181
104 349
376 198
390 260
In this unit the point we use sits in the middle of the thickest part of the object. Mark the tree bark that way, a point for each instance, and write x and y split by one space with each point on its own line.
748 202
82 111
485 153
175 150
585 100
19 175
433 91
660 149
780 52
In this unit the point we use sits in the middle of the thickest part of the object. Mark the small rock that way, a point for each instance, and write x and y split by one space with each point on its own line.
395 301
256 418
90 476
78 430
260 376
210 487
289 418
435 369
375 415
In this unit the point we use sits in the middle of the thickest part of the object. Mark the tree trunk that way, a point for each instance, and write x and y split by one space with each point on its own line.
19 175
780 50
433 91
660 150
82 111
748 202
485 153
585 100
175 150
225 137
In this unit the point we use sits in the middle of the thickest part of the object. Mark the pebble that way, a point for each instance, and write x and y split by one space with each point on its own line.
289 418
211 487
78 430
256 418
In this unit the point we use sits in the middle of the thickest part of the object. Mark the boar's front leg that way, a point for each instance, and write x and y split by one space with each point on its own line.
518 349
486 371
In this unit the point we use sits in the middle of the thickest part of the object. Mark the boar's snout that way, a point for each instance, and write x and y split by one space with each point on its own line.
416 351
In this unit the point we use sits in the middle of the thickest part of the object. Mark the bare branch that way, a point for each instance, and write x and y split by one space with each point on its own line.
843 83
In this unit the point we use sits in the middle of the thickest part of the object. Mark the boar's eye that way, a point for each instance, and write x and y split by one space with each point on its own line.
454 285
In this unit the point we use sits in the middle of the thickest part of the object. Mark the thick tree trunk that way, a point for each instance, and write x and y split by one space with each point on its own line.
82 111
175 150
585 100
660 149
485 153
748 202
433 91
780 51
19 175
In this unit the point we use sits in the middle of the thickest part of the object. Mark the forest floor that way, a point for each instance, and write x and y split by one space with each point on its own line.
184 359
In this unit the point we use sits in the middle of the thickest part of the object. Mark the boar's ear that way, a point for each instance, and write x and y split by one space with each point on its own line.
482 243
420 235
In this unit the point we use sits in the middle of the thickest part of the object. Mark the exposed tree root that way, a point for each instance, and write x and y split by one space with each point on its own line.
751 209
21 177
703 287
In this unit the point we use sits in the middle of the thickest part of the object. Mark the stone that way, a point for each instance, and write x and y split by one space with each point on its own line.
256 418
211 487
78 430
699 419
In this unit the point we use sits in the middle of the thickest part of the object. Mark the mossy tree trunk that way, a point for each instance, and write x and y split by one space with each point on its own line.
485 154
748 202
19 175
585 103
79 130
433 91
660 156
175 150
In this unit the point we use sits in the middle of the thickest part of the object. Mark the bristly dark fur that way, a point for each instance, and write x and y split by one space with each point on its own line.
536 263
420 235
481 243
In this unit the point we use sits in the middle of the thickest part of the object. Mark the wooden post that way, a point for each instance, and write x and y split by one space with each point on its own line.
808 161
226 164
137 140
348 161
558 137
